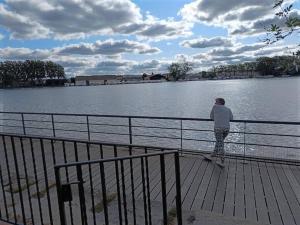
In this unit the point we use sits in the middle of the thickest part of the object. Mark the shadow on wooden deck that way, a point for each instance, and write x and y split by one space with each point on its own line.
254 192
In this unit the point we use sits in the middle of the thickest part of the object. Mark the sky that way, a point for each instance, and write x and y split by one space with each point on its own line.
91 37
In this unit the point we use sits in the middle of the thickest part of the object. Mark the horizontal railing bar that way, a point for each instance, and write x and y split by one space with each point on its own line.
242 143
116 158
275 146
271 134
143 135
164 137
10 120
39 128
4 125
232 132
99 132
79 131
106 124
81 141
152 127
163 128
153 117
69 122
42 121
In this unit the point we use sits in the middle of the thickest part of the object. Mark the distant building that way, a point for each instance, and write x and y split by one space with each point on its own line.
97 80
157 77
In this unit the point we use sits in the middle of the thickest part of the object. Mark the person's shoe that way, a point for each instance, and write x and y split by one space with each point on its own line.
221 164
208 157
212 155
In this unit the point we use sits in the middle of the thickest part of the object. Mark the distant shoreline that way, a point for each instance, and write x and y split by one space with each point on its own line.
151 81
186 80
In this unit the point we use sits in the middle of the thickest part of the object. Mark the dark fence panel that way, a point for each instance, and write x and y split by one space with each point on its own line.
104 179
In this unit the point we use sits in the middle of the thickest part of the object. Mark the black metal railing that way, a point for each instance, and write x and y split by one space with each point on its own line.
125 209
92 183
275 139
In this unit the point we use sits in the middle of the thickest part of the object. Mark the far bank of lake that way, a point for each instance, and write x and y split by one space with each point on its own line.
266 99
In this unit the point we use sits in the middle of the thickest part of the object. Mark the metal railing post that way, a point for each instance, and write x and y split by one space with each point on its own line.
53 126
178 189
23 124
181 137
130 130
61 205
163 189
244 162
88 127
81 195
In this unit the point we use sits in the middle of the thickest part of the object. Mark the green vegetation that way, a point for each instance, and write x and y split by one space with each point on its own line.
290 23
30 73
179 70
277 66
172 215
23 187
99 206
43 192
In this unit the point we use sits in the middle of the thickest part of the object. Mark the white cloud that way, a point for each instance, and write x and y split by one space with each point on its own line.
235 15
108 47
76 64
2 37
242 53
23 53
155 29
207 42
21 26
73 19
258 26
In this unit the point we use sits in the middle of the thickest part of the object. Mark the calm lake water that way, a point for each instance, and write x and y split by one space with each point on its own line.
275 99
257 99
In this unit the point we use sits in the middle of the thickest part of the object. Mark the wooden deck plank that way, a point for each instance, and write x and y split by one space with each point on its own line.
282 202
250 204
209 197
201 187
221 189
197 178
259 193
293 174
170 180
273 207
239 207
154 172
186 185
228 208
289 193
184 172
155 185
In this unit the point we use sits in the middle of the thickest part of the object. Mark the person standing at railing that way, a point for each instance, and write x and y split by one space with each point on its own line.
221 116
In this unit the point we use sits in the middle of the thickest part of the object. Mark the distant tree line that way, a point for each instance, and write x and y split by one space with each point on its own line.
31 73
277 66
179 70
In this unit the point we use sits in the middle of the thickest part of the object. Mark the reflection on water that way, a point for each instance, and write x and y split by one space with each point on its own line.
260 99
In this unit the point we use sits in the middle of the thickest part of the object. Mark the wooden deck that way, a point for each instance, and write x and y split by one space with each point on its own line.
263 192
256 191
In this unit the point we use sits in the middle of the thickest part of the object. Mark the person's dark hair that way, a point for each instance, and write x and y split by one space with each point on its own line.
220 101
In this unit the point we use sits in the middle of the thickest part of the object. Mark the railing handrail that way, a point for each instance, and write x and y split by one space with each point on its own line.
89 162
152 117
83 141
